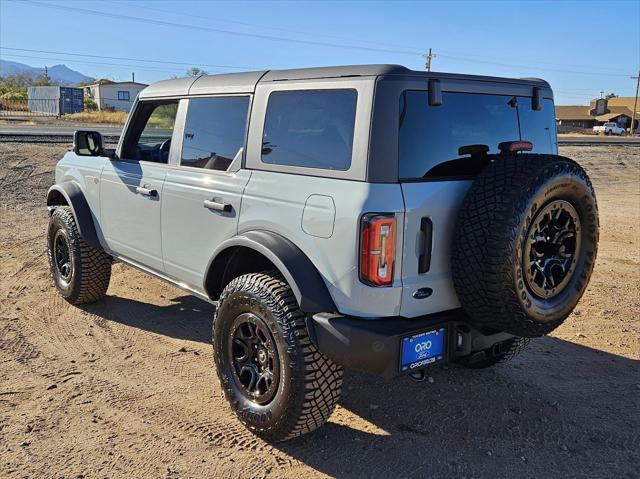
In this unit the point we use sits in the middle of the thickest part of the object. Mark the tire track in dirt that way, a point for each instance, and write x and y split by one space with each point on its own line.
136 395
15 345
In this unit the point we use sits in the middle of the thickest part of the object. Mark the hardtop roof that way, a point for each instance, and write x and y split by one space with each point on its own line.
245 82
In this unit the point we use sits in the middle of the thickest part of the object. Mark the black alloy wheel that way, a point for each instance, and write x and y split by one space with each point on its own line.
62 256
253 353
551 249
275 379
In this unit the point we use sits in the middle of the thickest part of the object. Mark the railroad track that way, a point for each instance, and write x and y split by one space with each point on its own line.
47 138
25 136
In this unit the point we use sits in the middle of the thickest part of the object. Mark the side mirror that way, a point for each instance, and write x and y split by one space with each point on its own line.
435 93
88 143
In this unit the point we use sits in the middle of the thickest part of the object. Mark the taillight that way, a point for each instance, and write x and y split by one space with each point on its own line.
377 248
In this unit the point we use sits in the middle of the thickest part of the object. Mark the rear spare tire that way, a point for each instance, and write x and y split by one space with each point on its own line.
525 243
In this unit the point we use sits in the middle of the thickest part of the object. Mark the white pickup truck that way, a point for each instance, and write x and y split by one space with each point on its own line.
609 129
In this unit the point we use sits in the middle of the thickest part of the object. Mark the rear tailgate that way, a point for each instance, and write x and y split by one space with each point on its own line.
441 150
431 211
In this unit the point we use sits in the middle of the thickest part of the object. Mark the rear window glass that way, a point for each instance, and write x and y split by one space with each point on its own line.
538 127
430 135
433 135
311 128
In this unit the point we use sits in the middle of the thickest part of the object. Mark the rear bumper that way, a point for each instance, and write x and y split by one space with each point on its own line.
373 345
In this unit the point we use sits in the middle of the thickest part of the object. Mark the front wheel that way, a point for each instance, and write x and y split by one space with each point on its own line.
276 381
81 272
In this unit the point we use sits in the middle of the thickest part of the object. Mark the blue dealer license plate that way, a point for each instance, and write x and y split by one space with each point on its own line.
422 349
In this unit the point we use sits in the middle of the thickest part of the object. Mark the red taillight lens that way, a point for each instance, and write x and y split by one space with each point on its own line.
377 249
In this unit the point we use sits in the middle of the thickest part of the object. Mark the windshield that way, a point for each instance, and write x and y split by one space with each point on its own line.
433 135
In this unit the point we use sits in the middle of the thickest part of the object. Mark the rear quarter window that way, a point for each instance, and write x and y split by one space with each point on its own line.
310 128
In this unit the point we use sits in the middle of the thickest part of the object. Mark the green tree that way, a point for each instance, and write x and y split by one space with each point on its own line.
90 104
611 95
196 72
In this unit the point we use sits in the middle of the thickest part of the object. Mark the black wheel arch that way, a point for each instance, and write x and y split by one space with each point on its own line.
256 251
69 193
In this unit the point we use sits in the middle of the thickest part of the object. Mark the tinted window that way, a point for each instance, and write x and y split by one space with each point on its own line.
431 135
538 127
312 128
214 131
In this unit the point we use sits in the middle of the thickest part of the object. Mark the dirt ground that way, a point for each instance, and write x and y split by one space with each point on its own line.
125 387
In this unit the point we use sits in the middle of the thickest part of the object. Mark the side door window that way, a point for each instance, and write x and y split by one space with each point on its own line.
149 135
214 131
202 196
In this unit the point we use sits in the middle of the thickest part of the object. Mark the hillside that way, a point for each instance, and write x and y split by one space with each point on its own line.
58 73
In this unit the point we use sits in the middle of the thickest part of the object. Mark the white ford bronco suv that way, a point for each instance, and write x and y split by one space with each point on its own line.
367 217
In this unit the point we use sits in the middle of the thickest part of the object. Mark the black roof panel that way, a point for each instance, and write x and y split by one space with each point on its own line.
245 82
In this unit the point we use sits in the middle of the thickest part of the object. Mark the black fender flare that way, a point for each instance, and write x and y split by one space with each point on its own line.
305 281
74 197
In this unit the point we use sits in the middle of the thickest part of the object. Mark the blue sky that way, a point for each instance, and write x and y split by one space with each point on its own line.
581 48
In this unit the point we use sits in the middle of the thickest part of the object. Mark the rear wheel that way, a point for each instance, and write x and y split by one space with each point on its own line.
499 353
81 272
276 381
525 243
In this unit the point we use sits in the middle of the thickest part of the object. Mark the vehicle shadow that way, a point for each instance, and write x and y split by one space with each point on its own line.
558 410
187 317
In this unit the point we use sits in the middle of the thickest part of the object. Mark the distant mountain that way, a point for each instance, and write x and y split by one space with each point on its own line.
61 74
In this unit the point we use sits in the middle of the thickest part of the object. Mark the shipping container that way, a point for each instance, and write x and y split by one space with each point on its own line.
55 100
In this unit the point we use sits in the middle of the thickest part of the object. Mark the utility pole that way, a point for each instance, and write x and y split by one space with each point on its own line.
635 103
46 73
428 56
133 77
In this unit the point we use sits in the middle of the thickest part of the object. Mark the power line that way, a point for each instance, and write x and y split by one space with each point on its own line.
264 27
131 59
320 34
301 41
533 61
211 29
528 67
116 65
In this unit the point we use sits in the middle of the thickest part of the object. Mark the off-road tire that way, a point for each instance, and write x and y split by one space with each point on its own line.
90 265
490 238
309 383
513 348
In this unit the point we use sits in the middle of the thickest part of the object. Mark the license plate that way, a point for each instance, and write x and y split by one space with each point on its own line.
422 349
